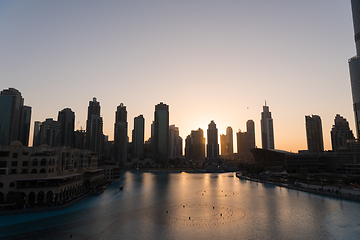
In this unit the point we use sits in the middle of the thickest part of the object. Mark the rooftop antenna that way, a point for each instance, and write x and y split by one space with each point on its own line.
265 103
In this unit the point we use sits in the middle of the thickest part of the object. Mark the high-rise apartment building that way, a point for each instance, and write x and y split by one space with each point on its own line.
250 134
267 129
94 128
160 140
212 141
175 142
246 140
50 133
241 138
229 140
354 65
195 145
226 142
14 118
314 133
120 135
138 135
36 135
25 125
67 119
340 133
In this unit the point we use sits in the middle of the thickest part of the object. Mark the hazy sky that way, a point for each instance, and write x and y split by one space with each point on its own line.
208 60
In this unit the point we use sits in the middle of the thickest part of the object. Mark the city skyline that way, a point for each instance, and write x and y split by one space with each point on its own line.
155 54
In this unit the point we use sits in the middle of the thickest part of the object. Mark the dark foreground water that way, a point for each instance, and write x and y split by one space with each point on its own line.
192 206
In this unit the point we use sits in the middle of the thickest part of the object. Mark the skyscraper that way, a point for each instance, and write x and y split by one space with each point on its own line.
138 137
354 65
340 133
229 141
94 128
195 145
36 136
175 142
50 133
212 141
223 144
241 138
267 130
120 135
161 133
67 119
314 133
246 140
25 125
14 118
250 134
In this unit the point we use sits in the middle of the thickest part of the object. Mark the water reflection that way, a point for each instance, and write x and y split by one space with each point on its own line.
192 206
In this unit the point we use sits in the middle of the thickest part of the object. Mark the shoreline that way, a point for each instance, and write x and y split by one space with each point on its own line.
44 209
304 189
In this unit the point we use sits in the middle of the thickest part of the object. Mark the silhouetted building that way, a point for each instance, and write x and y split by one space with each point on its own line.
250 134
267 129
14 118
67 119
229 140
94 128
36 135
138 137
50 133
175 142
241 138
195 145
354 65
223 144
212 141
160 137
120 135
25 125
226 142
314 133
79 139
246 140
340 133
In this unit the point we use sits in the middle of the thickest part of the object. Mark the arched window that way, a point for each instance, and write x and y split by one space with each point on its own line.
43 162
35 162
12 184
1 185
34 171
43 170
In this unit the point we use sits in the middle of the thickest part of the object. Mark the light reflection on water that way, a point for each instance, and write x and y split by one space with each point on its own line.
189 206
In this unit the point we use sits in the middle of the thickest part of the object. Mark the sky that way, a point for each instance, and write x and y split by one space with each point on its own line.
208 60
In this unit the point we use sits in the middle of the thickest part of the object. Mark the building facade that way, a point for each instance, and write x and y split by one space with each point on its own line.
14 118
267 129
120 135
50 133
160 139
175 142
66 117
195 145
354 65
212 148
314 133
340 133
94 128
138 135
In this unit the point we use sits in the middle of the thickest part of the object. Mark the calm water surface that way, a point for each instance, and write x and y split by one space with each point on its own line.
192 206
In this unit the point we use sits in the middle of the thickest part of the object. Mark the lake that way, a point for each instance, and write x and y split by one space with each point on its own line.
191 206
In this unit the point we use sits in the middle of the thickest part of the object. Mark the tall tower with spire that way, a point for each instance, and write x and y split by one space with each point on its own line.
354 65
267 129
